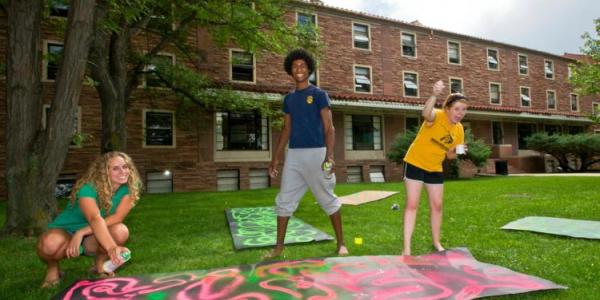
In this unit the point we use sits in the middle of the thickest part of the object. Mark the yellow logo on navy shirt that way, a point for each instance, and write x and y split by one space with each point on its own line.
309 99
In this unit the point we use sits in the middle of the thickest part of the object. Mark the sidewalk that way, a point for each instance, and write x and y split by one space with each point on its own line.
558 174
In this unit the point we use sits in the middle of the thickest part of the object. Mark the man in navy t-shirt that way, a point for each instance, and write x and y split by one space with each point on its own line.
309 129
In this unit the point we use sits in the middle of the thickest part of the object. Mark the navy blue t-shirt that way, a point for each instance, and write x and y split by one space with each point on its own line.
304 107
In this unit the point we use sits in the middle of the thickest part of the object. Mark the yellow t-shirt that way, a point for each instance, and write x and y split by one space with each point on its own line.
433 140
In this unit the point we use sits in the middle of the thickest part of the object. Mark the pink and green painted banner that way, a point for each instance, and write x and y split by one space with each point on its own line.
451 274
257 227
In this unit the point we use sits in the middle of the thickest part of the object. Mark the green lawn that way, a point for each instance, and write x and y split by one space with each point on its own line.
188 231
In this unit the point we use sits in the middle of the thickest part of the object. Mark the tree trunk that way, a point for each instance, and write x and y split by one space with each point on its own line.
109 71
35 155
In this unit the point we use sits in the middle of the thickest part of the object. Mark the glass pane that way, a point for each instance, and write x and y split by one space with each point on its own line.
159 128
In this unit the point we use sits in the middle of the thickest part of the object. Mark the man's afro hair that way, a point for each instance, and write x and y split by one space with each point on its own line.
299 54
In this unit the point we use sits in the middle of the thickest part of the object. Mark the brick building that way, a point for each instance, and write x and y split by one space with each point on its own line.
378 73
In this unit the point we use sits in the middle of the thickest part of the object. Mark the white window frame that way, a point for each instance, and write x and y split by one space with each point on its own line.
144 111
403 83
370 37
499 92
528 96
595 107
462 86
298 12
240 155
519 55
571 102
402 44
231 50
459 52
144 83
546 71
487 55
548 92
370 78
45 59
317 77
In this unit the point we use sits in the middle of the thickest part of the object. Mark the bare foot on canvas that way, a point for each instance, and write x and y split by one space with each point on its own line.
343 251
274 253
438 247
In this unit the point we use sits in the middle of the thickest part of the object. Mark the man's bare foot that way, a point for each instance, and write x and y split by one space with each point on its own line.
405 252
276 252
343 251
438 247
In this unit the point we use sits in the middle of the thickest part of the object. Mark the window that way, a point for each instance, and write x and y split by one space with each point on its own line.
376 174
306 19
159 182
361 36
362 79
551 99
409 44
525 97
497 133
453 52
456 85
551 129
574 102
76 121
159 128
575 129
53 54
259 179
492 59
313 78
570 70
363 132
59 8
524 130
307 24
242 66
412 123
152 80
411 84
241 131
495 93
595 108
549 69
354 174
228 180
523 65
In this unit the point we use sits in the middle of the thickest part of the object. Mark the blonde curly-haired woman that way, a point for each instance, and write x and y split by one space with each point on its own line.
92 222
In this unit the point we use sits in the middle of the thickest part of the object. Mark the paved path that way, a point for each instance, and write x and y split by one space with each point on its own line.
559 174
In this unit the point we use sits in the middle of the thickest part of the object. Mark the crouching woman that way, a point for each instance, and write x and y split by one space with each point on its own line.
92 222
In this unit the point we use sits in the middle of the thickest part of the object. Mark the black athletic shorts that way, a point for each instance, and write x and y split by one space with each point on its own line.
416 173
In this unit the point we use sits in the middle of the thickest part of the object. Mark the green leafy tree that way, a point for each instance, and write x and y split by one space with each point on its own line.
117 65
583 147
478 152
586 73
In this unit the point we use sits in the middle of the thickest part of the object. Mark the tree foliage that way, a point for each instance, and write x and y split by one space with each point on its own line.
118 64
583 148
586 73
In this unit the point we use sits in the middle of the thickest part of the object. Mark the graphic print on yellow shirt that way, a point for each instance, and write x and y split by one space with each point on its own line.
433 140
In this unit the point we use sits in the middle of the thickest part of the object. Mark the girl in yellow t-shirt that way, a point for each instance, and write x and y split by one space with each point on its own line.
436 140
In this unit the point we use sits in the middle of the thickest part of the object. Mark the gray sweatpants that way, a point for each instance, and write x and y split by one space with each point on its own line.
301 170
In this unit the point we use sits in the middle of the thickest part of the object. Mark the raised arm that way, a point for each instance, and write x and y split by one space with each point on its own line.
428 113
